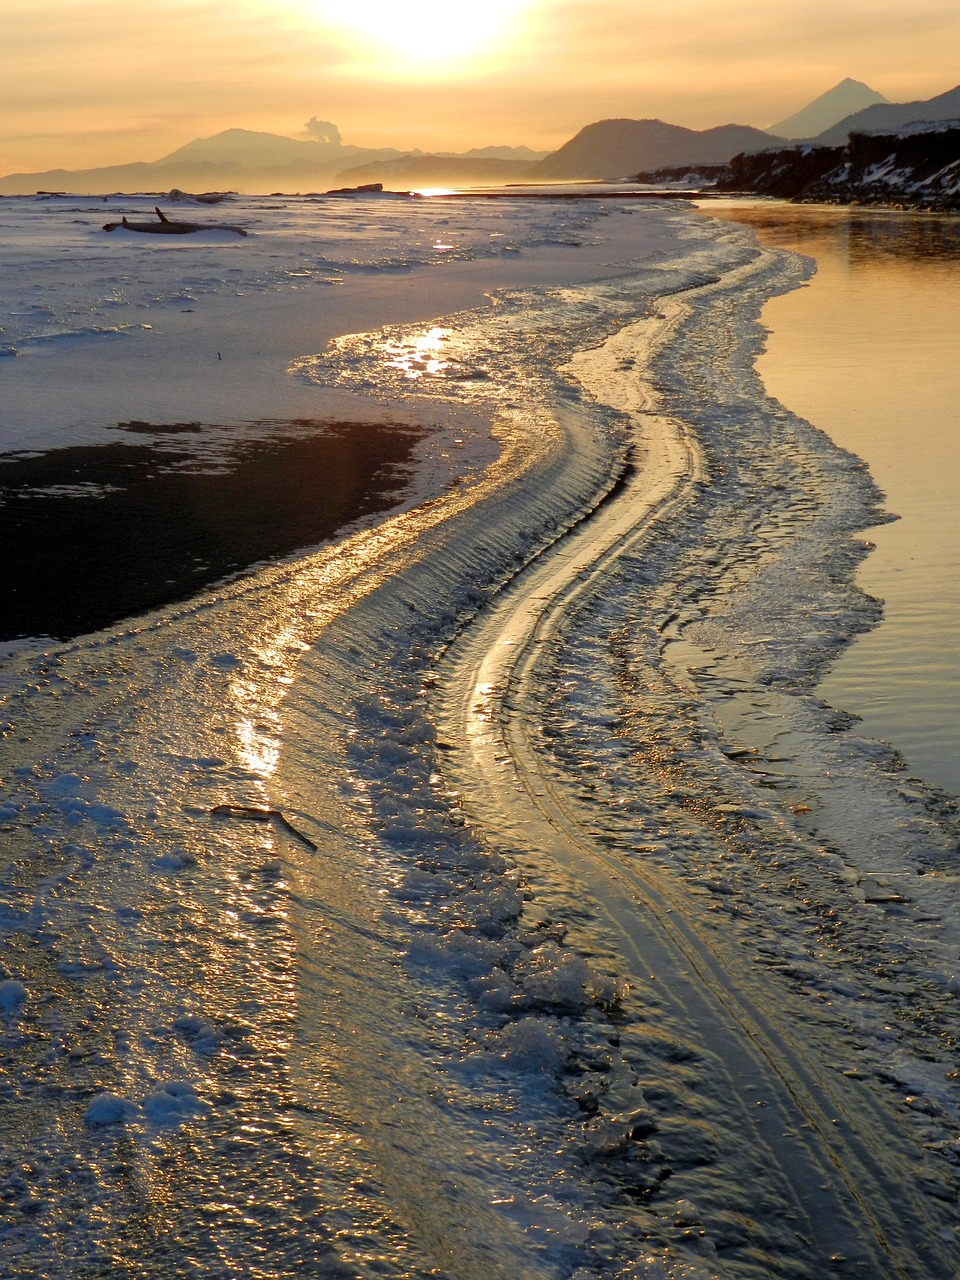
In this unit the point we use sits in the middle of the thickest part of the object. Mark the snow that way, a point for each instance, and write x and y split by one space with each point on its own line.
372 1009
109 1108
13 995
927 126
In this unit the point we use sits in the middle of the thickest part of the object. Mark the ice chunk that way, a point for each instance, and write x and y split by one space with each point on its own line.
12 995
531 1044
109 1108
174 1103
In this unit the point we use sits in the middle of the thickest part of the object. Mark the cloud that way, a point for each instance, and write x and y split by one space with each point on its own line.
321 131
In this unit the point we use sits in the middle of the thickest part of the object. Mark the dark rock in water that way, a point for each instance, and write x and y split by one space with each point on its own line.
200 197
366 189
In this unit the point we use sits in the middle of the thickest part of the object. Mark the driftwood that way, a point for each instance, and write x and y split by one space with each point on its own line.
170 227
252 813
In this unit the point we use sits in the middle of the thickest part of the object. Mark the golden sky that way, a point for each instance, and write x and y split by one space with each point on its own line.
93 82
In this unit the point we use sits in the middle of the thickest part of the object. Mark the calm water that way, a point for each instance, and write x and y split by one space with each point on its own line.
870 352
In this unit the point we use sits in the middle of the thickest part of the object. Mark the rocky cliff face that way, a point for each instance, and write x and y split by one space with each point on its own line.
918 168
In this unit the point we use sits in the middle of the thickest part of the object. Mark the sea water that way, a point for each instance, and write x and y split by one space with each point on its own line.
870 351
278 997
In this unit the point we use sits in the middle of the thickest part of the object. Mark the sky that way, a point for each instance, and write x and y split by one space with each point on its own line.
85 83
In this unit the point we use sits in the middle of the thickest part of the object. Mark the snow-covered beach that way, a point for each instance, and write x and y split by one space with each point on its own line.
484 891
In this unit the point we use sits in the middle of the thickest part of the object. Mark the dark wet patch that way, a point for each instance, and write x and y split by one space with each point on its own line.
95 533
158 429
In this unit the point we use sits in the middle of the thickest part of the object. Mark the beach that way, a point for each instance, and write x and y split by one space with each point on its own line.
478 886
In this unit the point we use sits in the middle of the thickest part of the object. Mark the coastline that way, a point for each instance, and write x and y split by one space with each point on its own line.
866 352
290 980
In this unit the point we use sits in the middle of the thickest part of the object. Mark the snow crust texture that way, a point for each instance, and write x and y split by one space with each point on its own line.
488 893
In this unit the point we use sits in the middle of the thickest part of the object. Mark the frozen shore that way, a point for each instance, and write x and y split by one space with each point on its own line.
439 902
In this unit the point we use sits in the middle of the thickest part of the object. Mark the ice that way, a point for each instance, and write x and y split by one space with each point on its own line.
174 1103
361 1008
13 995
531 1045
108 1109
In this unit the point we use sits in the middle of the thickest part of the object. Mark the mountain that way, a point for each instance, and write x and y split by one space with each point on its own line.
618 148
844 99
234 160
248 161
420 170
500 153
263 152
891 117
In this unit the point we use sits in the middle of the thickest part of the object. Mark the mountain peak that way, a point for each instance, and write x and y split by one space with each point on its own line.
844 99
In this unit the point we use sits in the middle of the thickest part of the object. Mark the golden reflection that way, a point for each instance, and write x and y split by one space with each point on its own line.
869 352
259 747
422 357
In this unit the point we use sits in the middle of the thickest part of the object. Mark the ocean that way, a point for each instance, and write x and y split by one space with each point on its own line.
460 875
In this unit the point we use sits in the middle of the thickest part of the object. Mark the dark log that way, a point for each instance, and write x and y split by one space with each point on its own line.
170 227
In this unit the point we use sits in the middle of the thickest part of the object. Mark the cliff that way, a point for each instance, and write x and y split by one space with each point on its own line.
916 168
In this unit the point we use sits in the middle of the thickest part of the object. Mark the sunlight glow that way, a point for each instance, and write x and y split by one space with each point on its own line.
427 31
422 358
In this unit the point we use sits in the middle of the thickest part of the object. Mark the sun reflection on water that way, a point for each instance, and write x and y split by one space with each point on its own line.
421 357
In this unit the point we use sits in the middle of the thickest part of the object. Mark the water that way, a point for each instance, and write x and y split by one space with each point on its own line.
870 352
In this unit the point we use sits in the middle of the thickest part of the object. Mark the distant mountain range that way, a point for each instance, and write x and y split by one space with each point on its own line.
890 117
616 148
244 160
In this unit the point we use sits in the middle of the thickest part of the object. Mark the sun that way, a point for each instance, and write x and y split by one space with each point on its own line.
427 31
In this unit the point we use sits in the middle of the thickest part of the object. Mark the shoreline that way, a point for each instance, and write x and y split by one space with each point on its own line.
390 1002
866 353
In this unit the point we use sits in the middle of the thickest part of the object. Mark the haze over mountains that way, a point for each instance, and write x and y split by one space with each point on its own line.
891 116
843 100
613 148
245 160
